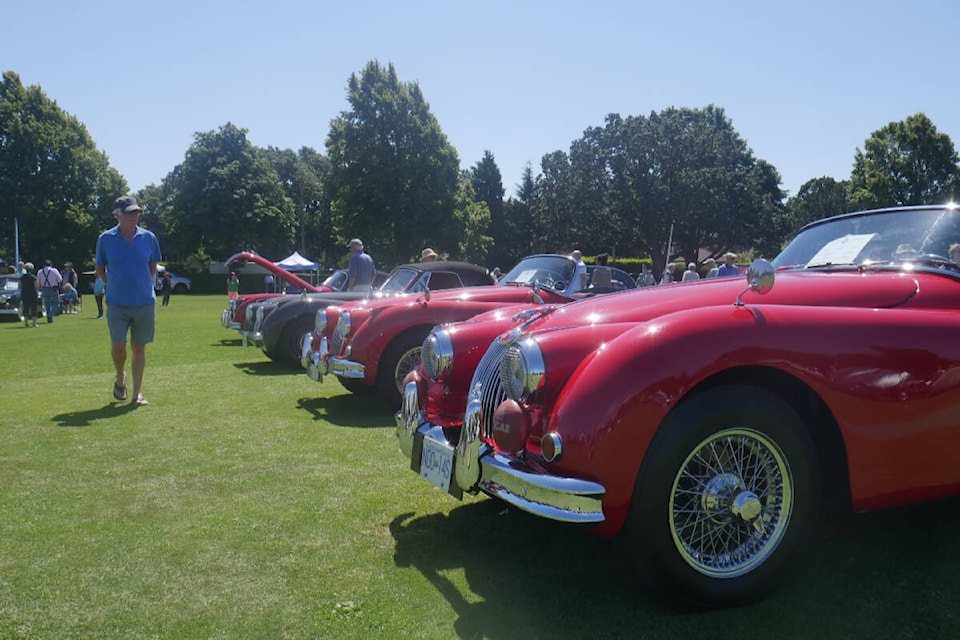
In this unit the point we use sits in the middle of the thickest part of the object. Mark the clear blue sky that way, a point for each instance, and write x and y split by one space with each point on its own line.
804 83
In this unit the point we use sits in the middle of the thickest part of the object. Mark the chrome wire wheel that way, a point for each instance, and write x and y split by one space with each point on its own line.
731 502
409 360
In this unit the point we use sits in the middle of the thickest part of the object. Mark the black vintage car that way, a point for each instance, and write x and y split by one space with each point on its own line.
278 325
10 296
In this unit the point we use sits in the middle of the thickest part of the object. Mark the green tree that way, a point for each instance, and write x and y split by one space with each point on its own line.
226 197
53 179
472 219
903 163
302 175
394 177
488 184
818 198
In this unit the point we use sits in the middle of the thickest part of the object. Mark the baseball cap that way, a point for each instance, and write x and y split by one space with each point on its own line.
126 204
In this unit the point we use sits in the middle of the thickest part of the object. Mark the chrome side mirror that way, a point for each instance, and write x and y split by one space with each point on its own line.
760 277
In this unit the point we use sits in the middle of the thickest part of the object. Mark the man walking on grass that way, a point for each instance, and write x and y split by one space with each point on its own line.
127 257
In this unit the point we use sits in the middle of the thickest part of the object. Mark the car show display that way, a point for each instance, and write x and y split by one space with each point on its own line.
373 344
706 422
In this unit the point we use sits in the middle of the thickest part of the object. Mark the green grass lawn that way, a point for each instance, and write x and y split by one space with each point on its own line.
248 501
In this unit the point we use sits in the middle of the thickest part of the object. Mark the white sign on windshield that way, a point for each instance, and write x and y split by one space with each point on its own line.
526 276
842 250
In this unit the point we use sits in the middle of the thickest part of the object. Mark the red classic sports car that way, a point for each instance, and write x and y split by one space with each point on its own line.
232 316
374 344
705 422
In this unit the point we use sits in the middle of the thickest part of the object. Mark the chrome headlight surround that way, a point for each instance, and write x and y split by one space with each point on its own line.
522 370
259 314
320 322
436 354
344 324
248 313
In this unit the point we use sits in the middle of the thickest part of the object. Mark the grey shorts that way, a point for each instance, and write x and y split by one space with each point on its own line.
139 321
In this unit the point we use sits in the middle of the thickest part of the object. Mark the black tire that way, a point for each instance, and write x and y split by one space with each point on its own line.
288 349
400 358
727 493
180 288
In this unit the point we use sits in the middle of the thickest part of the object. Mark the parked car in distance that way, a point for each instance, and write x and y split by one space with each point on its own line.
10 296
373 344
178 284
280 325
705 422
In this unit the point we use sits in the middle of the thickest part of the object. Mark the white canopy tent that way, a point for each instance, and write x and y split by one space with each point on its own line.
297 262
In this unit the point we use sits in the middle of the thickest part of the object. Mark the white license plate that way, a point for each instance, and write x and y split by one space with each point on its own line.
436 463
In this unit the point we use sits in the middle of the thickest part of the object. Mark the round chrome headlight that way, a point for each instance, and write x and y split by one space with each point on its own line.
259 313
522 370
320 322
3 299
248 312
436 354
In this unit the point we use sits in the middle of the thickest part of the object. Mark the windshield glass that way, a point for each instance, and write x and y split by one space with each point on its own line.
399 280
336 280
11 284
883 236
553 272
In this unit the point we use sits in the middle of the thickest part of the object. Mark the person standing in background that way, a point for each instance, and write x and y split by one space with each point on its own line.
28 295
729 268
580 272
126 261
166 288
233 286
49 280
268 283
361 269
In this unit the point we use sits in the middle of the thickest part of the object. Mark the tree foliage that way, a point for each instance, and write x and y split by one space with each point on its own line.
488 184
818 198
53 179
227 197
302 175
903 163
625 185
394 177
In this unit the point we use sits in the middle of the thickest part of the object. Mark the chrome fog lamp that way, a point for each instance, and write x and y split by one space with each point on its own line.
436 354
522 370
551 446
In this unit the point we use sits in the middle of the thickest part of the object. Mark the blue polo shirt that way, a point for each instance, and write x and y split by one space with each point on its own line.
129 280
362 269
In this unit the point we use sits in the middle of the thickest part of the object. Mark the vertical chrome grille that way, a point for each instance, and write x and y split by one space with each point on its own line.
487 376
336 340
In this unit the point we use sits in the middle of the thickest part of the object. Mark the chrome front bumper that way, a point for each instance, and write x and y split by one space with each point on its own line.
251 338
345 368
478 467
313 361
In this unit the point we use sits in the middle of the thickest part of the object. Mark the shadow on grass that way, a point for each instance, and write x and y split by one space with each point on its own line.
86 418
884 574
267 368
349 410
228 342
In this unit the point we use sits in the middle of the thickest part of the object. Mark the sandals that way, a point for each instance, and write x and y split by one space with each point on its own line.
119 390
140 401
